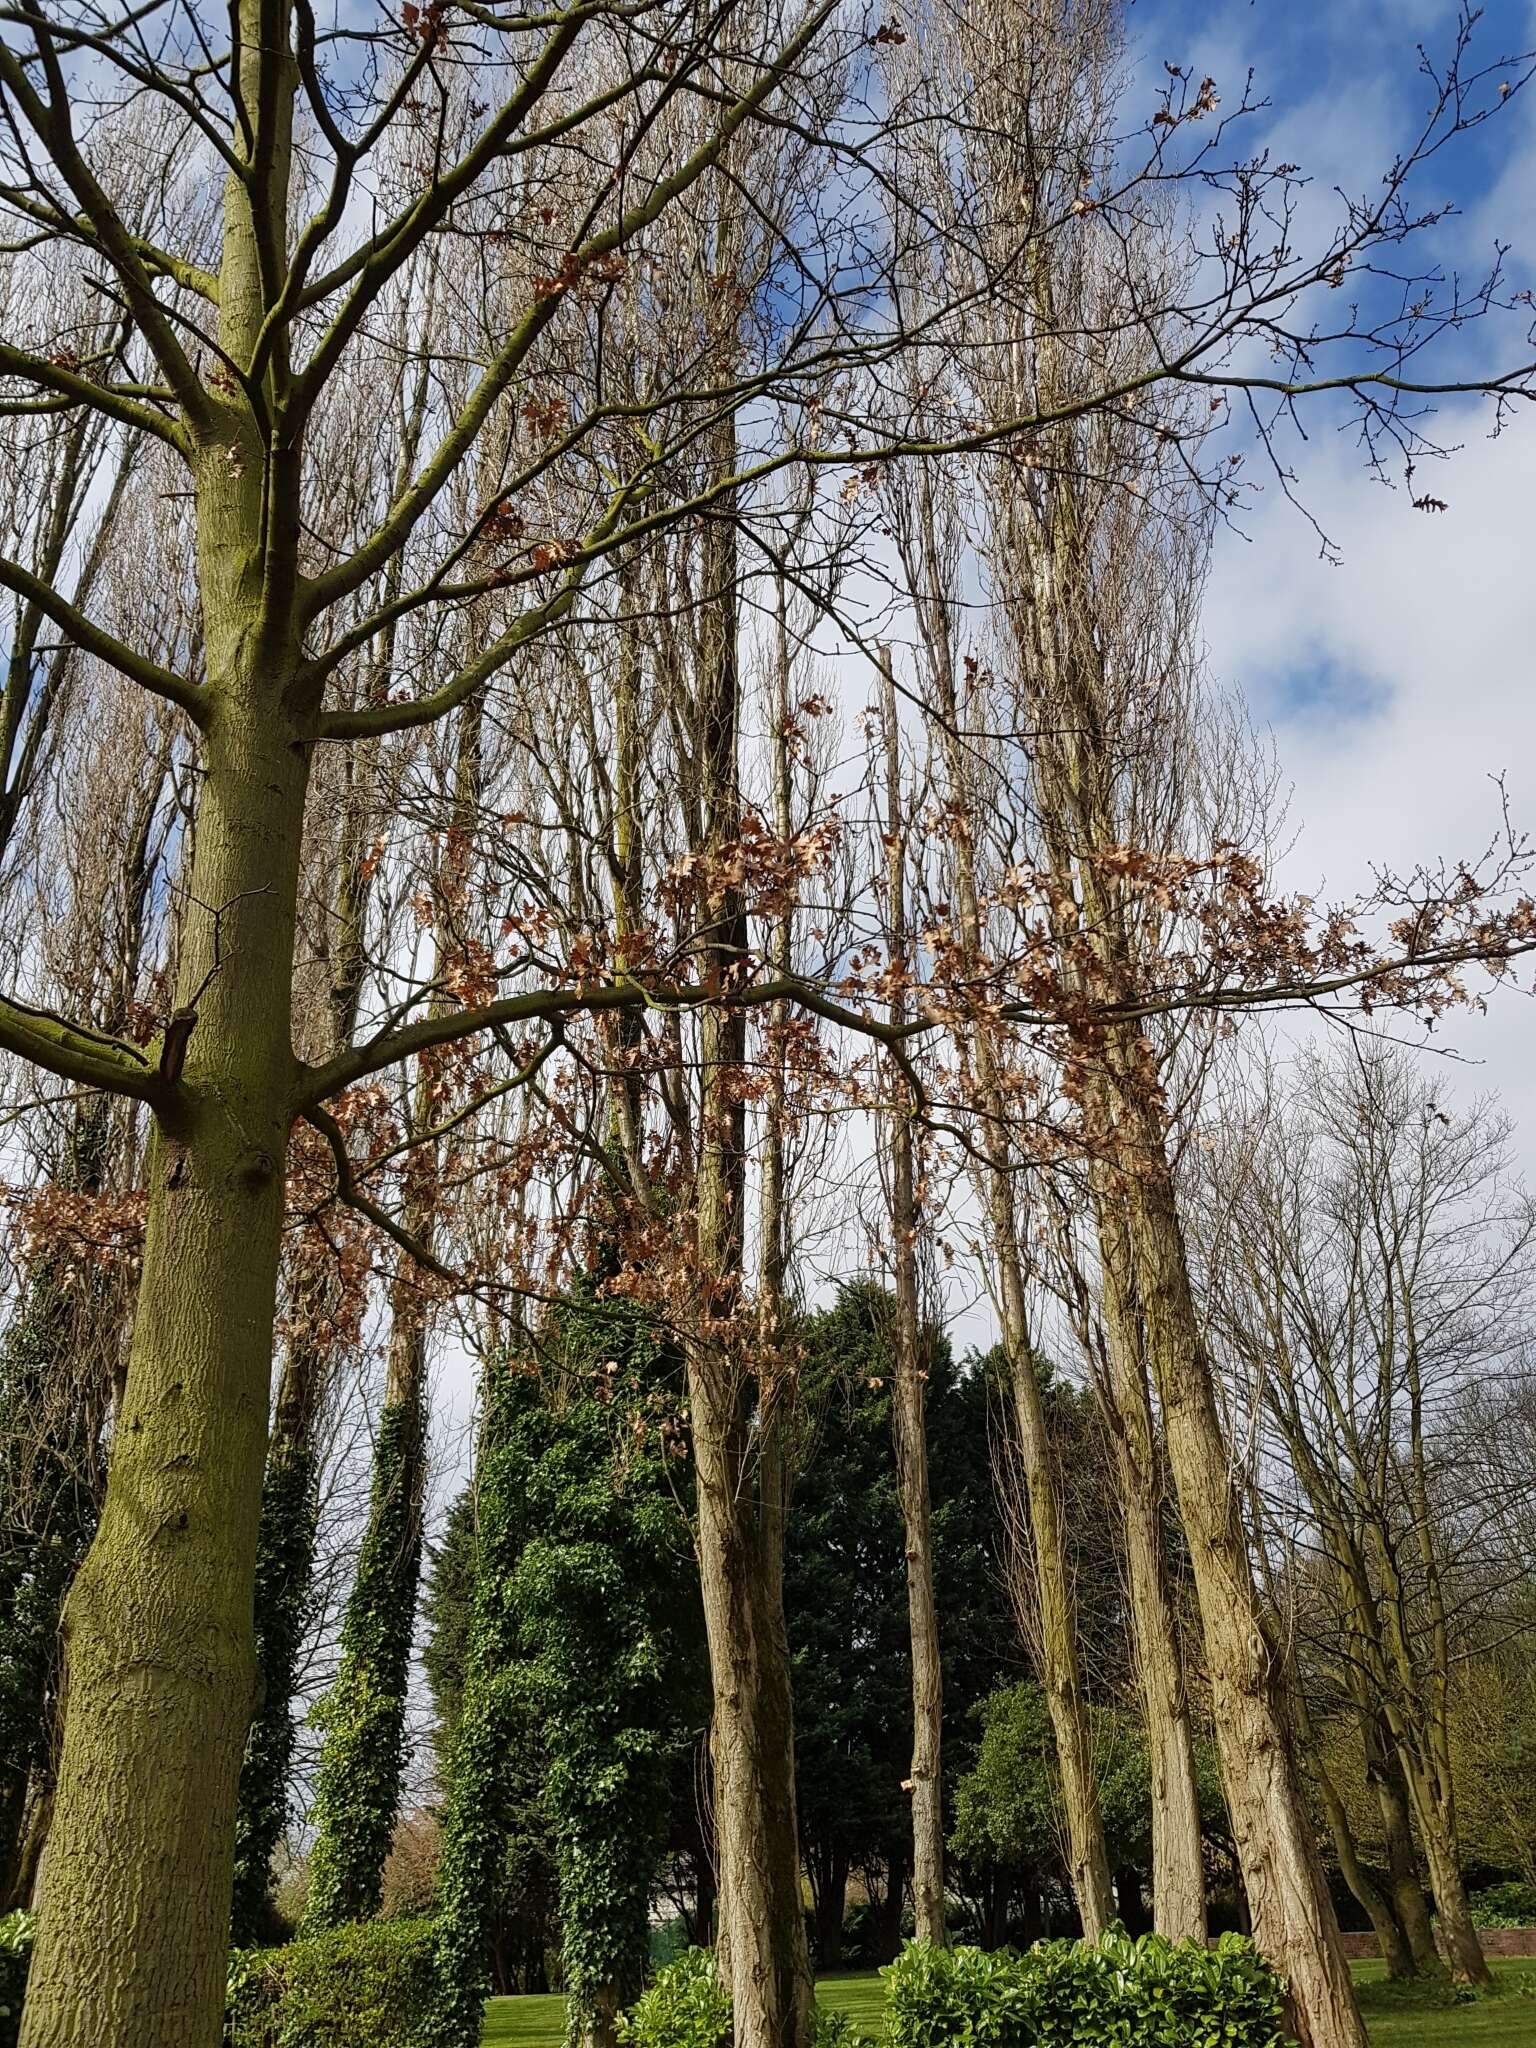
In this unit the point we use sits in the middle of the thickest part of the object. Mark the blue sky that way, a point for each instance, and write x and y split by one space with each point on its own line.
1398 684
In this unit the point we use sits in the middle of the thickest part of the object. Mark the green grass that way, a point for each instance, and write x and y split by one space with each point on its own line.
1505 2020
1400 2018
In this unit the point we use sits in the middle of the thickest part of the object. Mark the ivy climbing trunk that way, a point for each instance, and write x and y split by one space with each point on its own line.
285 1562
489 1763
362 1757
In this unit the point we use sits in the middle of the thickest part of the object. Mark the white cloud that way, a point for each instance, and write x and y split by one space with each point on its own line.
1398 685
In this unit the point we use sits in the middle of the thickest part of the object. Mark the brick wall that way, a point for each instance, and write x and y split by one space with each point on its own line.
1497 1941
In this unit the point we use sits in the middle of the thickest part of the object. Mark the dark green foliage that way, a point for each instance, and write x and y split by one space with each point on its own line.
492 1788
350 1987
285 1560
448 1606
52 1405
846 1596
362 1718
1007 1807
582 1679
1504 1905
15 1956
1120 1993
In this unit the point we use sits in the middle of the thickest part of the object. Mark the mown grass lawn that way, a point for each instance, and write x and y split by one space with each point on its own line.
1506 2020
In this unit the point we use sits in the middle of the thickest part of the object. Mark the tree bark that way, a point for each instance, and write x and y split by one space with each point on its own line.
737 1421
1374 1896
908 1401
1462 1950
133 1943
767 1966
1386 1777
1178 1861
1294 1922
1060 1670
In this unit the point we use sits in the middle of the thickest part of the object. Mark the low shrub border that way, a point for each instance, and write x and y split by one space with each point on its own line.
1117 1993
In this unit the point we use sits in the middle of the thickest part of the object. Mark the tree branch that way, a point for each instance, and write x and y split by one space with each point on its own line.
94 639
75 1052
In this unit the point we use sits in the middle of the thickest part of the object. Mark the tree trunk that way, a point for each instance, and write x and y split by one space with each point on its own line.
767 1967
1375 1898
908 1405
34 1840
737 1420
1386 1775
133 1934
893 1904
1059 1665
831 1911
1459 1943
1178 1860
1294 1922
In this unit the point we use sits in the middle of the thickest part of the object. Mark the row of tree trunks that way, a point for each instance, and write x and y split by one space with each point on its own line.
1178 1861
1049 1567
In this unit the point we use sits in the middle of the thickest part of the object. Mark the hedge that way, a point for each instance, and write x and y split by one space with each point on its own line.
367 1985
1118 1993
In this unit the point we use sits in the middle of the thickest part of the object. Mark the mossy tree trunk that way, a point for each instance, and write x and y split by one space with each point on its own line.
158 1628
134 1926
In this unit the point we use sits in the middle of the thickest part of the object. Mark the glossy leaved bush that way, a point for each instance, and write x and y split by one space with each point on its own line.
1115 1993
686 2006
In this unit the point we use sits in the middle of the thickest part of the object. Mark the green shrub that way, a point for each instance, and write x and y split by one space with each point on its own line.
835 2029
1504 1905
684 2006
15 1955
366 1985
1119 1993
